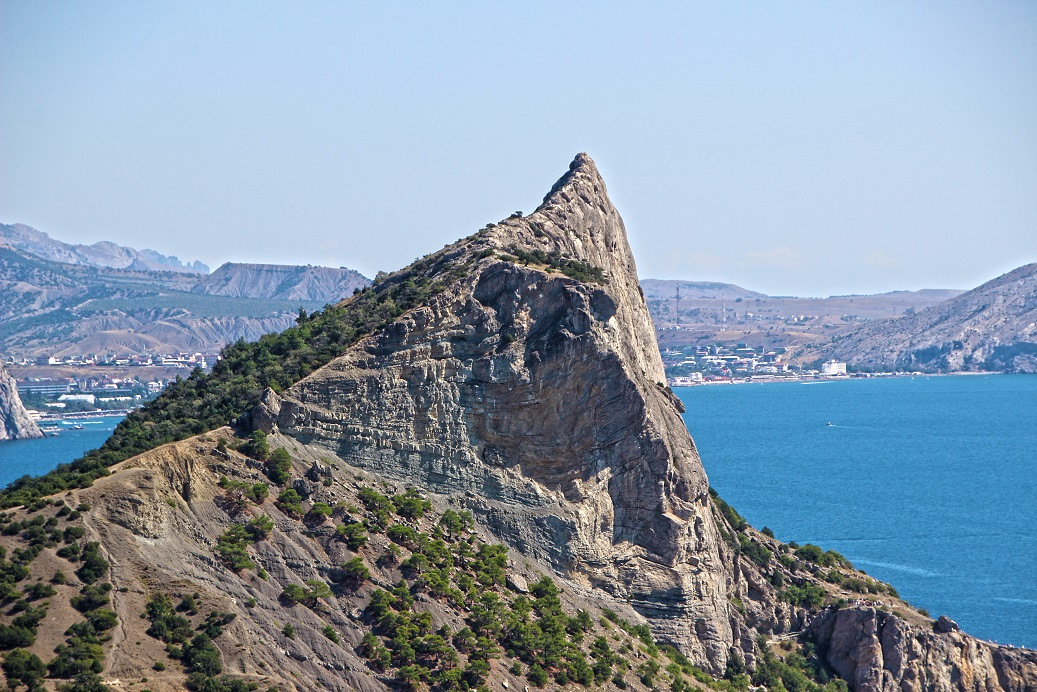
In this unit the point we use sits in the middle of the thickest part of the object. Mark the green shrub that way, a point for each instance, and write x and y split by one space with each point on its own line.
94 566
355 571
257 446
353 534
290 502
279 466
807 596
410 504
23 667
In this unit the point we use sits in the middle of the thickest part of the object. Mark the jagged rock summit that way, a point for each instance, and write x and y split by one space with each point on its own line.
540 398
15 423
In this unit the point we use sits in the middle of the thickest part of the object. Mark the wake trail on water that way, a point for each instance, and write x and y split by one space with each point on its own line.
908 569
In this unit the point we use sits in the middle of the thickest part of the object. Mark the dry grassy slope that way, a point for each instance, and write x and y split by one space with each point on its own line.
159 517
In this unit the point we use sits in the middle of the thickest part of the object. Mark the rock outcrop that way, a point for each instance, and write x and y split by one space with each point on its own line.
992 327
541 398
15 423
873 650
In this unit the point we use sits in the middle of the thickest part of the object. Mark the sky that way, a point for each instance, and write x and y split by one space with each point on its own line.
795 148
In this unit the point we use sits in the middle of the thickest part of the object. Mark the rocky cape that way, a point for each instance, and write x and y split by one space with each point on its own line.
15 423
526 389
990 328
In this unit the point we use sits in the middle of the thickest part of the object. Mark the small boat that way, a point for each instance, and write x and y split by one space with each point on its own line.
77 426
830 424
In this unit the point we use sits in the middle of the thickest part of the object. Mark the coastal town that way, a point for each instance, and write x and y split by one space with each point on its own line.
721 364
98 385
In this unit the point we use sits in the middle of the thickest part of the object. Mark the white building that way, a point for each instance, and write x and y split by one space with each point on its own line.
88 398
833 367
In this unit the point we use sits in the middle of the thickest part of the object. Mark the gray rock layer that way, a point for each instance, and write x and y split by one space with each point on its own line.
873 650
15 423
282 282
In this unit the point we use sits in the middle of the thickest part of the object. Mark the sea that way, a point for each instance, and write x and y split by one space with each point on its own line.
36 457
928 483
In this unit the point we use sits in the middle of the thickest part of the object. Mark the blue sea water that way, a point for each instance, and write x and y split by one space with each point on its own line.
929 483
36 457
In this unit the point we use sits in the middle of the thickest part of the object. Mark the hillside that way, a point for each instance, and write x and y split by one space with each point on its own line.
282 282
990 328
480 479
696 313
100 254
50 308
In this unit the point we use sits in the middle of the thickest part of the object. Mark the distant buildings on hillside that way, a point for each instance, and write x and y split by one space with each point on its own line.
177 360
724 363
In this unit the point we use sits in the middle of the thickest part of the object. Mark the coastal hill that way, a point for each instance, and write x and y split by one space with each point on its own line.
990 328
696 313
51 308
480 479
100 254
281 282
15 423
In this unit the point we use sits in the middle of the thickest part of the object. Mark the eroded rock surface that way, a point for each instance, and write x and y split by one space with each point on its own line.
15 423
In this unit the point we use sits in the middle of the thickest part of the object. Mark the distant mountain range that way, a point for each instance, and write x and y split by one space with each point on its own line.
86 303
56 308
102 254
990 328
690 313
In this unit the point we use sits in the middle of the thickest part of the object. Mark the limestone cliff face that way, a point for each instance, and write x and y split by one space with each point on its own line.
539 398
873 650
15 423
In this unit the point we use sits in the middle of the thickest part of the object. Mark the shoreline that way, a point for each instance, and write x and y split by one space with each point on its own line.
816 379
81 415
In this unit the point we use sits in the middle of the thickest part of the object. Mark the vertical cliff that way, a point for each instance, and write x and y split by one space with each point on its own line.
15 423
540 398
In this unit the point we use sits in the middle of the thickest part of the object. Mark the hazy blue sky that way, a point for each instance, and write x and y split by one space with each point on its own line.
793 148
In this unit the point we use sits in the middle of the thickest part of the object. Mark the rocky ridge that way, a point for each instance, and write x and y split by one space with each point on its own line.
525 388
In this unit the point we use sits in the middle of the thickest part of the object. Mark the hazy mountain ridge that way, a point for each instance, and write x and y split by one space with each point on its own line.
101 254
691 313
512 375
991 328
54 308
